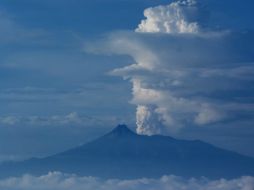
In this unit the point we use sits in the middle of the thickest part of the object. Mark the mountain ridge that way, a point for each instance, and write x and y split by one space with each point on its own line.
122 153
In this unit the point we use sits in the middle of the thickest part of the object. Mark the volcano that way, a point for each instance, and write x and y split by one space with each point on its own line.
126 155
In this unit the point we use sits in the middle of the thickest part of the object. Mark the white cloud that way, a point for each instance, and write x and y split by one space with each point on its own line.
9 120
208 115
69 119
45 106
173 18
187 80
59 181
183 78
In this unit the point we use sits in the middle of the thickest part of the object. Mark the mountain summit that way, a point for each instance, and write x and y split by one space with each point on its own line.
124 154
121 131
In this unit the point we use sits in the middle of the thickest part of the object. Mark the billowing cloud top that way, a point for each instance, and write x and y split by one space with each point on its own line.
185 73
173 18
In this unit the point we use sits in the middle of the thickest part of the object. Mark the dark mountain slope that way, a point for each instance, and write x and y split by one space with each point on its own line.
124 154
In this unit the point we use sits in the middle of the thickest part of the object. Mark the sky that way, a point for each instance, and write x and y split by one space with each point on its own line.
72 70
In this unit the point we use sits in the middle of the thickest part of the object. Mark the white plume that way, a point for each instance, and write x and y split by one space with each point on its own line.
173 18
185 74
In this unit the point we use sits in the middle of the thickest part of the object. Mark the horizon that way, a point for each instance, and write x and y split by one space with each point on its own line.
73 70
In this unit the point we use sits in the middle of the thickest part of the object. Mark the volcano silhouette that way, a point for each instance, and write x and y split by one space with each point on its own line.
125 154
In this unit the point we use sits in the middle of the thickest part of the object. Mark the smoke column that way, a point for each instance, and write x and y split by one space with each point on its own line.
170 19
186 70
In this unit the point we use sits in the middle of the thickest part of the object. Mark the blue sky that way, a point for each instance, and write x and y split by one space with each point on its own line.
56 94
45 73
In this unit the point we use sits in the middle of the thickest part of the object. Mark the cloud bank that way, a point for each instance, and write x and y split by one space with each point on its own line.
59 181
184 74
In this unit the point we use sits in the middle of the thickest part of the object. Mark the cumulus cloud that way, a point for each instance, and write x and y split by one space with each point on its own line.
60 181
183 76
181 80
173 18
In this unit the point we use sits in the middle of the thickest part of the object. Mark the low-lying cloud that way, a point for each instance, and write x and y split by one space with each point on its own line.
60 181
70 119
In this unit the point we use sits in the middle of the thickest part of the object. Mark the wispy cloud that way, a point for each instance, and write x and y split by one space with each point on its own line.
11 32
71 119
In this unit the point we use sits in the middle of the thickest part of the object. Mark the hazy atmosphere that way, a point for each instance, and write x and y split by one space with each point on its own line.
71 71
